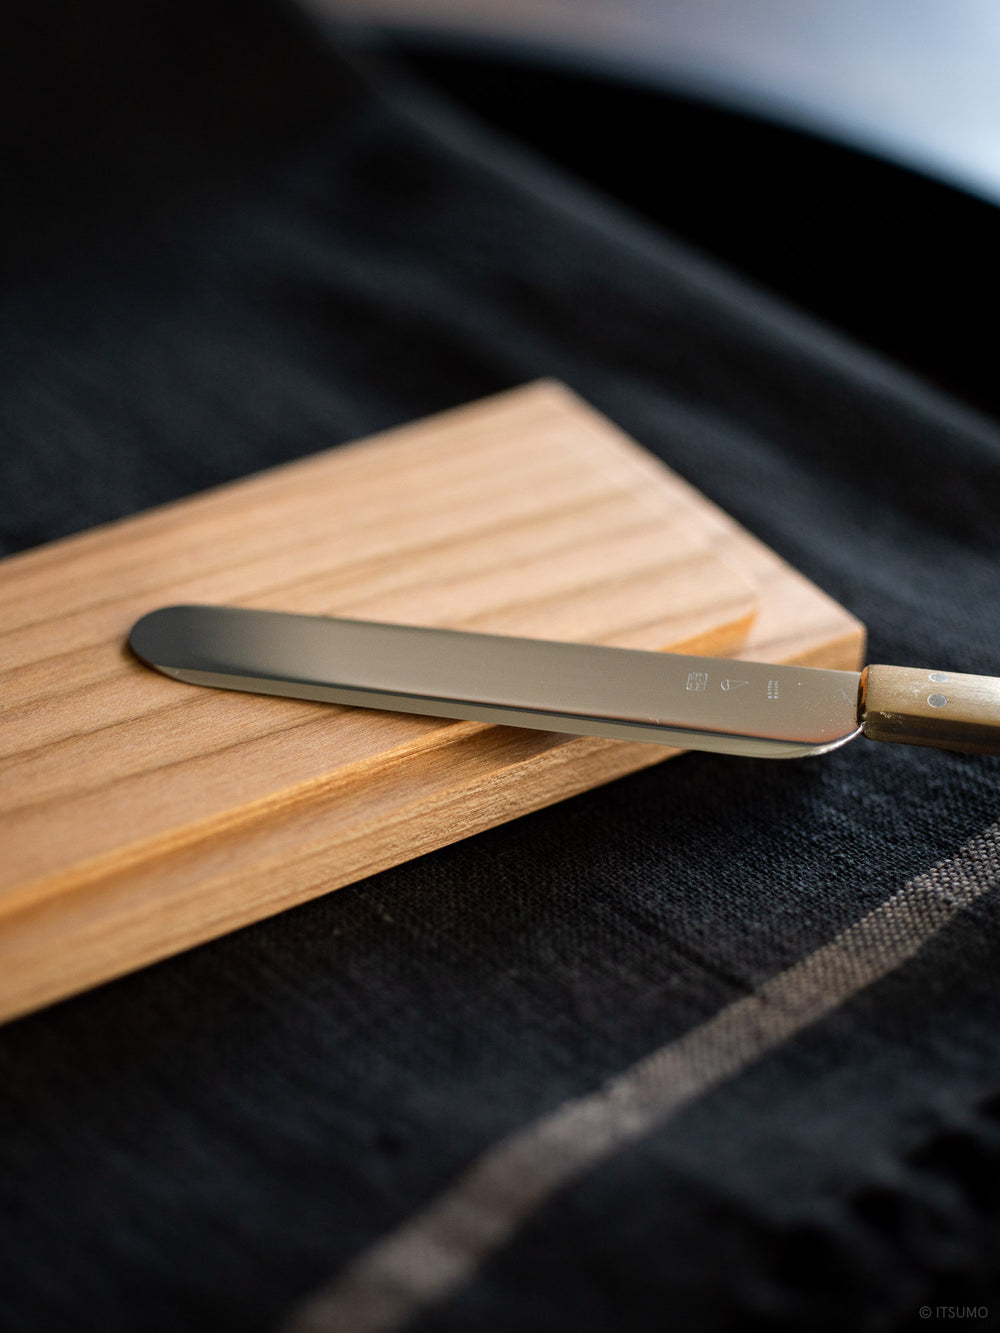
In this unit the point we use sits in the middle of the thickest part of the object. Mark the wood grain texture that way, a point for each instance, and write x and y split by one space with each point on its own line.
923 706
140 816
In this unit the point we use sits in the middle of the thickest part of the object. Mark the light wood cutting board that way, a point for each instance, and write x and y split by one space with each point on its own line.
140 816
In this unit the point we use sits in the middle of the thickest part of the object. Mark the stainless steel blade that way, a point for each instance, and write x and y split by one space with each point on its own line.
700 703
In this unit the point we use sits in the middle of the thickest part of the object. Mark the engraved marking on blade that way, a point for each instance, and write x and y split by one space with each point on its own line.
697 680
772 689
734 684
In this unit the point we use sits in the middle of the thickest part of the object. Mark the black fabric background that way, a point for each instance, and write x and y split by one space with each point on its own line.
226 247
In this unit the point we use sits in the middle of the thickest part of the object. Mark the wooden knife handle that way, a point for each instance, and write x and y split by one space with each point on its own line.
916 706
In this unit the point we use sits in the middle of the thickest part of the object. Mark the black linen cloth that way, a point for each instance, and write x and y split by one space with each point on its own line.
714 1047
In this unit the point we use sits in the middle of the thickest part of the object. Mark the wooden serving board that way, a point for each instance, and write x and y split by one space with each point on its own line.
140 816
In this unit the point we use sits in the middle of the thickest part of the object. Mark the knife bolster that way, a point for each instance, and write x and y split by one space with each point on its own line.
916 706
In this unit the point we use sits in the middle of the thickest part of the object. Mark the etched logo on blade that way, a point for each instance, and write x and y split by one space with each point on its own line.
697 680
734 684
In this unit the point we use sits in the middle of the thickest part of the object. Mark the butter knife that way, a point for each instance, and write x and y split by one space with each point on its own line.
670 699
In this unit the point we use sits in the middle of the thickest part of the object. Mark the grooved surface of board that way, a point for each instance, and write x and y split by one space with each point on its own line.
139 816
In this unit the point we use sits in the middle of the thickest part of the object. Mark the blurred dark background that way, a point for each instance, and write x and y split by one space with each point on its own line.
871 202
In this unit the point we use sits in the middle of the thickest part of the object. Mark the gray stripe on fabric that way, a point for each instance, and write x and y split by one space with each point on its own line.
440 1248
